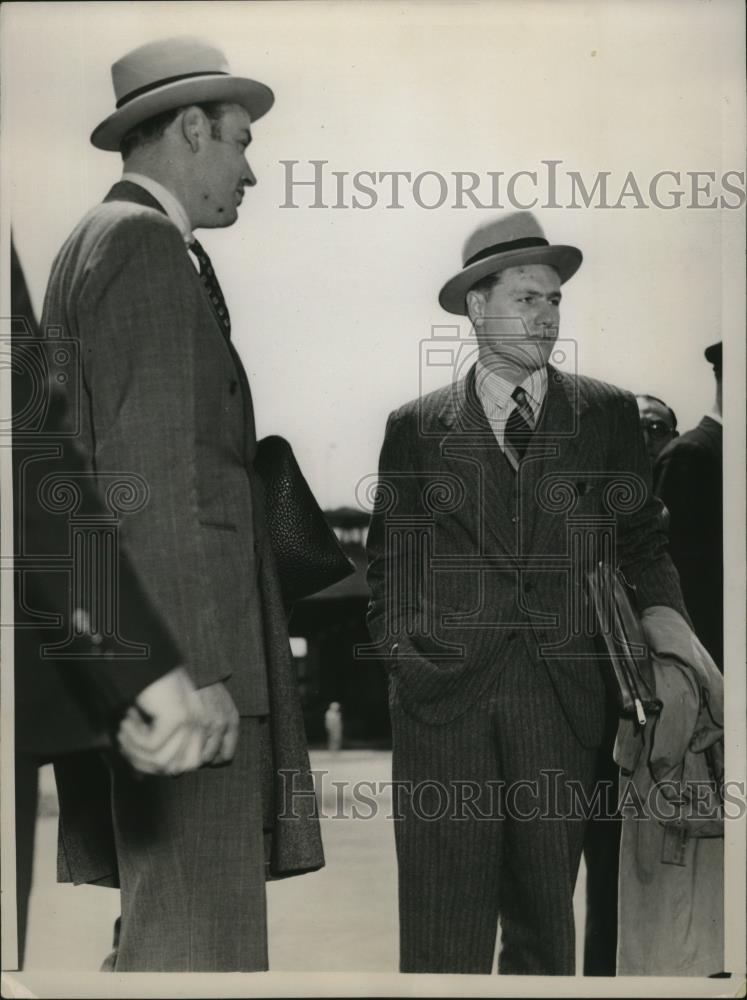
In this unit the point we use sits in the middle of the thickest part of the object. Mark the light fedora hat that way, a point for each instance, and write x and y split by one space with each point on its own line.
170 73
507 242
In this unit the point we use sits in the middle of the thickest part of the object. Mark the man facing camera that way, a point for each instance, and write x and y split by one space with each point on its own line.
166 399
498 492
658 423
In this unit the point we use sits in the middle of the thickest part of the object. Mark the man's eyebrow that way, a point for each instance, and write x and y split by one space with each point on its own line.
537 291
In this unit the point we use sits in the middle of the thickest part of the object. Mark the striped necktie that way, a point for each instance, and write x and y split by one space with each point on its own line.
520 424
210 281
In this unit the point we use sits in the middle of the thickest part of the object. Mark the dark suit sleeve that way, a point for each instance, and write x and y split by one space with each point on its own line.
399 606
71 703
690 478
685 476
401 618
641 539
111 669
137 316
395 491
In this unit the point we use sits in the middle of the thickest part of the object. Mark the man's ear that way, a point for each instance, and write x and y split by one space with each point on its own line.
475 302
194 127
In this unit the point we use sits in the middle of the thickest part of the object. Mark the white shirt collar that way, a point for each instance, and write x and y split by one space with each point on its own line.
169 202
494 392
715 415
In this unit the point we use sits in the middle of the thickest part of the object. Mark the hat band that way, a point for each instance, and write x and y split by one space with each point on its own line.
522 244
139 91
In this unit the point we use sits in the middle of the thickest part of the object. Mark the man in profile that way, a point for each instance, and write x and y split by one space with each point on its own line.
689 479
167 401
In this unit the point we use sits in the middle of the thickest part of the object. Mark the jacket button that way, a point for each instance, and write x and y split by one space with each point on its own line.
511 636
233 387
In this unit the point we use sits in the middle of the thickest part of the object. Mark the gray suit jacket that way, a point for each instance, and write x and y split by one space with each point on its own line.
495 562
164 396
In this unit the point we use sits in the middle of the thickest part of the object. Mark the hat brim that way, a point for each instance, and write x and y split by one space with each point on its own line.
255 97
566 261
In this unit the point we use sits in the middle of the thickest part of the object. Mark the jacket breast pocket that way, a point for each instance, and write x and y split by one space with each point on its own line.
218 525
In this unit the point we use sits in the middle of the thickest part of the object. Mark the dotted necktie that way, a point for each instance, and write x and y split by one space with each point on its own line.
519 425
209 280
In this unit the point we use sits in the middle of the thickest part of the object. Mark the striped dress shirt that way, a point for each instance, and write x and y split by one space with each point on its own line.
494 393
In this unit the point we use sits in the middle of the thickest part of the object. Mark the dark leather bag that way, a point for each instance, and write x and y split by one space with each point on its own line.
309 557
630 673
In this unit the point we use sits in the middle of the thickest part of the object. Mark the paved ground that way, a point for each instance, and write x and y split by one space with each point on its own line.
341 919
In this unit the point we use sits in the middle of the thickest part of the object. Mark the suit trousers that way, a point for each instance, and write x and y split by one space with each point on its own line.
191 864
601 853
482 831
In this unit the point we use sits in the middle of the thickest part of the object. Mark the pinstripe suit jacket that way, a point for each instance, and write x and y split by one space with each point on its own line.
470 563
165 396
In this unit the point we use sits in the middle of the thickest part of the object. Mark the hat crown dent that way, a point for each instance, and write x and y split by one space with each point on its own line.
516 226
163 59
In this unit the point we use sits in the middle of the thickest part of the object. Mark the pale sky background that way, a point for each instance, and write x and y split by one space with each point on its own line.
329 306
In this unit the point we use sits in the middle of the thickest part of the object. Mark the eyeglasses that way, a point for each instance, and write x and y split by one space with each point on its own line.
656 428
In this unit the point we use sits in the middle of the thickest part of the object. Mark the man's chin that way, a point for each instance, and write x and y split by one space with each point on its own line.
528 356
222 217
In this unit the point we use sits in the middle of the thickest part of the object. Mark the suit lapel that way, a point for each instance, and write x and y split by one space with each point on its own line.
128 191
556 447
470 451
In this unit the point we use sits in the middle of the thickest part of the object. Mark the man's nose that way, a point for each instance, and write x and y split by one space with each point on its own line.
248 178
547 315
